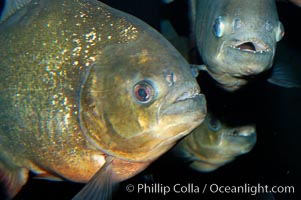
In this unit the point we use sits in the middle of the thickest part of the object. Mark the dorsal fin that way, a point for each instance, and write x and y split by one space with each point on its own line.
284 76
11 7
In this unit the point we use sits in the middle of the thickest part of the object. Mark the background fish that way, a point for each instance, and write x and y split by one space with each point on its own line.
236 39
86 87
214 143
236 43
296 2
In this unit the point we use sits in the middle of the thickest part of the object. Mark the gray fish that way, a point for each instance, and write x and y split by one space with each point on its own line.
236 39
88 94
214 143
229 77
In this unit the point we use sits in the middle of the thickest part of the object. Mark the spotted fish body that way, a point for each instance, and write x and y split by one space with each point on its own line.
85 89
236 39
214 144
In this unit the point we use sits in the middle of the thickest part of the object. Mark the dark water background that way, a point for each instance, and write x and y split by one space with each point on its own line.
275 160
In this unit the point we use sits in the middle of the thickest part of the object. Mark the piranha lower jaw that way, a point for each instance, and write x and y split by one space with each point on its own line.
227 81
210 164
251 46
181 114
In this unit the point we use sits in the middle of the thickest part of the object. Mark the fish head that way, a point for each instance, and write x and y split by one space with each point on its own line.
240 39
139 98
232 140
214 143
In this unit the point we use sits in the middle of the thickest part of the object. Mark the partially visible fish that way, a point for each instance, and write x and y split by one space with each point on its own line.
236 39
88 91
283 72
296 2
214 143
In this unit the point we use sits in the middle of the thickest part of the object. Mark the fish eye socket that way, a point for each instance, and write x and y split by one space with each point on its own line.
144 92
219 26
214 124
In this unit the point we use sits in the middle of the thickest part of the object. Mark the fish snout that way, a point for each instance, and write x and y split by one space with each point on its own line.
190 93
243 131
244 138
187 100
184 96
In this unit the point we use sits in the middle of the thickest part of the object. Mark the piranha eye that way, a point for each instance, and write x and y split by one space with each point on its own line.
279 32
214 124
144 91
219 26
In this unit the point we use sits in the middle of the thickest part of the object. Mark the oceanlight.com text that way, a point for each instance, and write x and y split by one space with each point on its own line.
213 188
250 189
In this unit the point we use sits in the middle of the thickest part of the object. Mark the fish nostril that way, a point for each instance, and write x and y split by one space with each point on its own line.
268 26
235 133
170 78
237 23
247 46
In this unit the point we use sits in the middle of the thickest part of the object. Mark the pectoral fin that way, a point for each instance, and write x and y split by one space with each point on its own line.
12 180
283 76
102 184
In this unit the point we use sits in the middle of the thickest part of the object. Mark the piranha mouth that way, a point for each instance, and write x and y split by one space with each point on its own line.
190 100
251 46
237 133
190 94
243 139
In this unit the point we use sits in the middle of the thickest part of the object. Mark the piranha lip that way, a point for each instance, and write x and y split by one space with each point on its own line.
189 100
242 133
242 140
251 46
190 94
